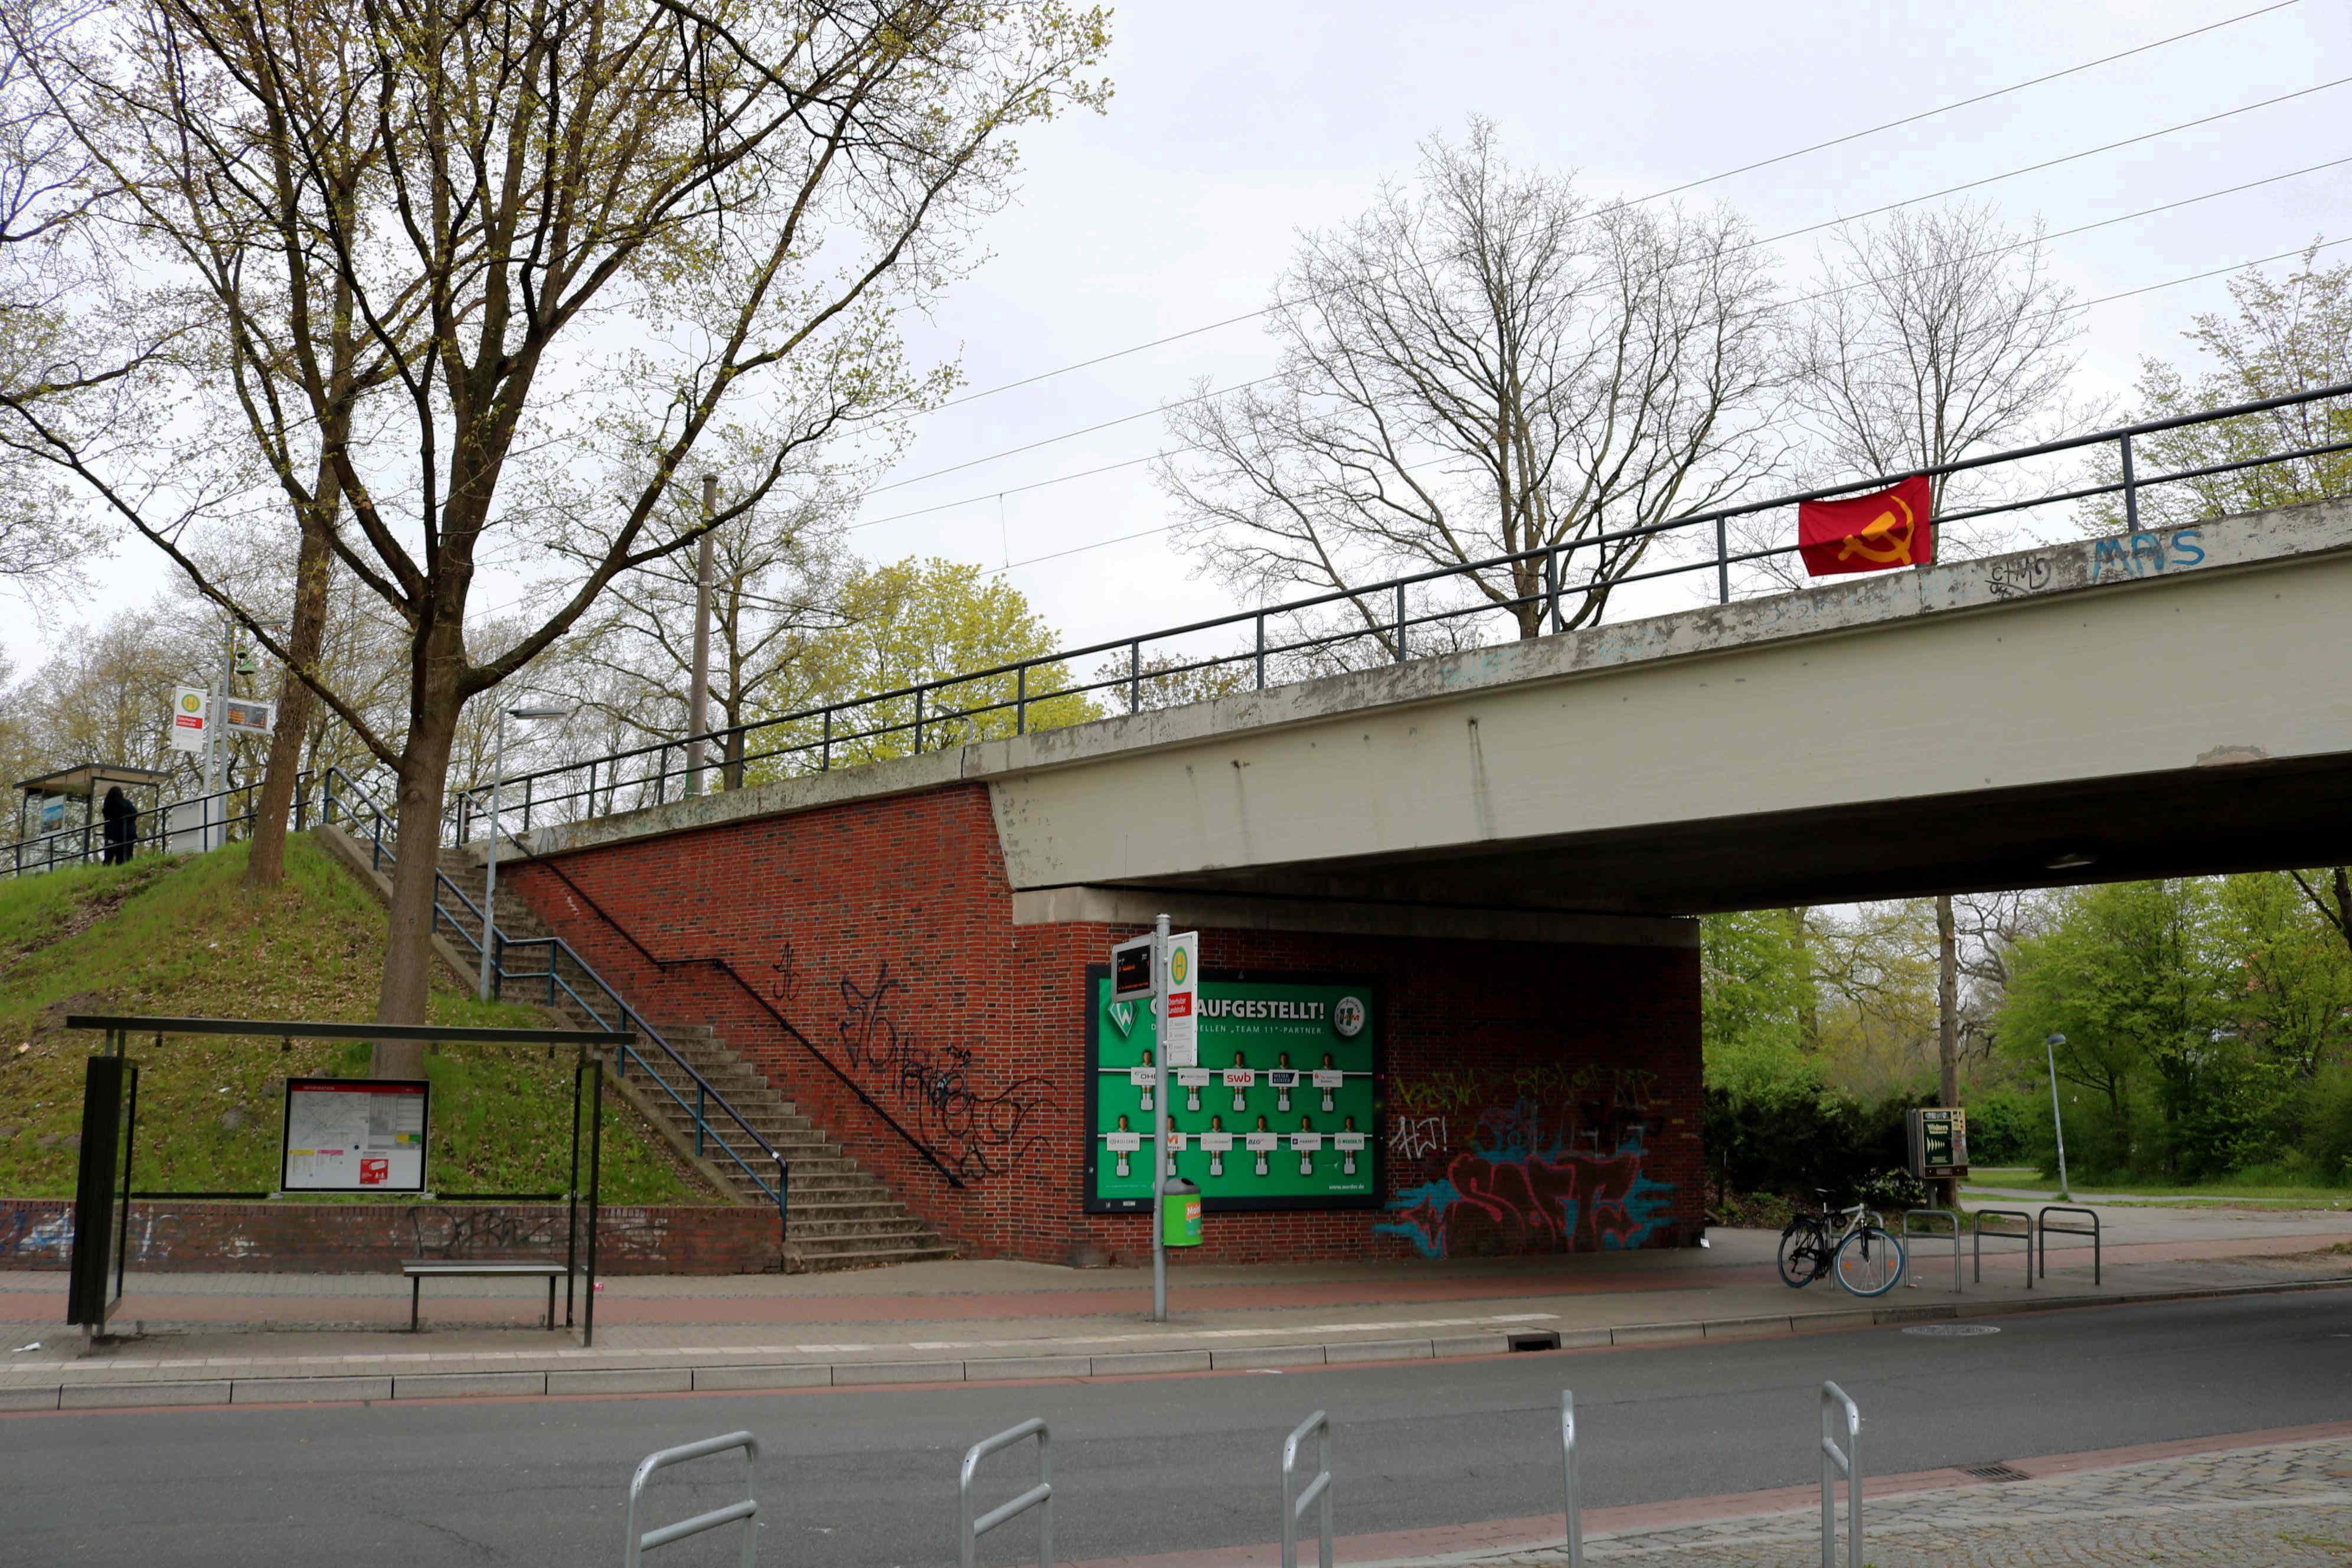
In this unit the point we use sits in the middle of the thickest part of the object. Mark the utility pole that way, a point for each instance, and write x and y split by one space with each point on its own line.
698 702
2049 1045
1948 1040
217 743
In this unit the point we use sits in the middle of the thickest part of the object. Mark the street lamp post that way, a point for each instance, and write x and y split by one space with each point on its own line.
490 866
2050 1053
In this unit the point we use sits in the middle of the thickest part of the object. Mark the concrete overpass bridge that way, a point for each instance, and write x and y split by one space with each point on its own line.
2145 705
1482 863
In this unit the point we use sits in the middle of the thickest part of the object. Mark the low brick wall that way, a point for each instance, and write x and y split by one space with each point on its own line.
275 1238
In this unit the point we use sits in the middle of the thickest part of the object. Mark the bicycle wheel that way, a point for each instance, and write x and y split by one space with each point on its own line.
1805 1254
1869 1262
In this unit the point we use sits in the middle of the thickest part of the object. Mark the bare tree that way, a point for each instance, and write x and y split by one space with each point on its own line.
776 579
571 244
1934 336
1486 363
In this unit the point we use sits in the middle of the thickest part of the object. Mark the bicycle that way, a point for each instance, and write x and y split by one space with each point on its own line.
1866 1256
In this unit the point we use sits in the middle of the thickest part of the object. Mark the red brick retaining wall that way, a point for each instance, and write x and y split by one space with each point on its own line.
365 1238
1538 1097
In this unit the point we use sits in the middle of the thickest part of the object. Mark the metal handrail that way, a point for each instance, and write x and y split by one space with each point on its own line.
1836 1462
2026 1237
752 993
748 1510
1573 1506
1541 565
1297 1501
1912 1258
969 1529
2042 1223
705 1093
84 842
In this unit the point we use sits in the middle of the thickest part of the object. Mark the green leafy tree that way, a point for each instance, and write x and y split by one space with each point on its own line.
912 622
2286 335
2129 974
1756 990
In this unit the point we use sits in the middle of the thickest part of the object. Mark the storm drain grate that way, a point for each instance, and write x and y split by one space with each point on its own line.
1995 1472
1536 1339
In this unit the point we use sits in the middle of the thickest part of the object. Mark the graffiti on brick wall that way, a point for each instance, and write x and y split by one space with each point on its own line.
975 1130
1557 1167
465 1233
29 1237
1417 1137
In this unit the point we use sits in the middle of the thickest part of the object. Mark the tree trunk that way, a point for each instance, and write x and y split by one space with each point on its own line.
1808 1008
267 867
1948 1030
409 940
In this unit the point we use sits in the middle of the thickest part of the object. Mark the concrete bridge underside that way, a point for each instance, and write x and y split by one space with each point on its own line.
2155 705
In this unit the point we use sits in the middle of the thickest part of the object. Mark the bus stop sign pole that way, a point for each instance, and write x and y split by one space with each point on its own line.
1160 1116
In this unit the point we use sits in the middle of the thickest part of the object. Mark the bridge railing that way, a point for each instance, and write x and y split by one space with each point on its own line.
1416 614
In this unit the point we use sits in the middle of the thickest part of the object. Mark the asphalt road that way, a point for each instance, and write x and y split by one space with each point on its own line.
863 1480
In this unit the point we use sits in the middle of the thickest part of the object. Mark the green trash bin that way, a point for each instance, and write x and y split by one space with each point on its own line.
1180 1210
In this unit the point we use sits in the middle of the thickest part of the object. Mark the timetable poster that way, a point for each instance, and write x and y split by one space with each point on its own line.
1279 1114
355 1135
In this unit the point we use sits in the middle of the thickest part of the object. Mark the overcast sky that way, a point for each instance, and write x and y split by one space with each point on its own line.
1236 125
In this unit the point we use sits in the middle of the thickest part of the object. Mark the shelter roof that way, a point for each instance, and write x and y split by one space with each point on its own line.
83 779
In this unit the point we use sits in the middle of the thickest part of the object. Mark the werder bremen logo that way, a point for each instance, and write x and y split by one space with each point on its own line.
1122 1017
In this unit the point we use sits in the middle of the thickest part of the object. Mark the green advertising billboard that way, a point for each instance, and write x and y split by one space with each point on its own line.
1281 1113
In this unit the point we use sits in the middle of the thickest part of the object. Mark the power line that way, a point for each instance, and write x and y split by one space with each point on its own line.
1145 413
2079 305
1654 195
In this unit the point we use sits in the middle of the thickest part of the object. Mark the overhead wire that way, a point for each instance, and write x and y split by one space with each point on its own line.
1807 298
1654 195
2078 305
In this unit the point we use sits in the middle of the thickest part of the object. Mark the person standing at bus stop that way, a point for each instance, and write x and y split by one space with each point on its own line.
121 826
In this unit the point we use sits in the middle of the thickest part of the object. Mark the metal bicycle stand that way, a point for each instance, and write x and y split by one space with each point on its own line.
1837 1410
1296 1501
2044 1226
1912 1258
2025 1236
747 1511
969 1529
1573 1507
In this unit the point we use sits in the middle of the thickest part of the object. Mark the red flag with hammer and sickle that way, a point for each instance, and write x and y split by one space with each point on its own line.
1868 534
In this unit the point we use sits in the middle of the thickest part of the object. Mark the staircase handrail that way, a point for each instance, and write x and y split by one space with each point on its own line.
929 1155
622 1010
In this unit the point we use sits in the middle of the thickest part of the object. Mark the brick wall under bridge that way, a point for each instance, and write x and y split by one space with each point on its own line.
1538 1096
196 1235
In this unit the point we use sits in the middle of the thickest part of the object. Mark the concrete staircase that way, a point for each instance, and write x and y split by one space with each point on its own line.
838 1215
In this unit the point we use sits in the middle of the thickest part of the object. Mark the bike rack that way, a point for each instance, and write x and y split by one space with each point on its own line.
1574 1511
1911 1259
1836 1462
2026 1237
1297 1501
2046 1227
747 1511
971 1529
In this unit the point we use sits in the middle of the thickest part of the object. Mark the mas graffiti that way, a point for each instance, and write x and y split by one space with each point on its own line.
2147 554
1443 1092
1521 1189
975 1130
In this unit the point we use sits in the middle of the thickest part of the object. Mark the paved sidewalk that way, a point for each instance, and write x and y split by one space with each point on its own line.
2284 1504
241 1337
2233 1500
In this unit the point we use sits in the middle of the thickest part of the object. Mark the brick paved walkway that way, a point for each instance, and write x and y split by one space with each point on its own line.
2285 1504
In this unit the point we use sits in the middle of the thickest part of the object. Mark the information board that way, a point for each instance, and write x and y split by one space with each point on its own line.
1281 1113
355 1135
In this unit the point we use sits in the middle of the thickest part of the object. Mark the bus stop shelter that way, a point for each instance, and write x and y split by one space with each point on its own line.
84 781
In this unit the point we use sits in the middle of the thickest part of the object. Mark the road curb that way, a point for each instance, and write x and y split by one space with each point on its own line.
93 1393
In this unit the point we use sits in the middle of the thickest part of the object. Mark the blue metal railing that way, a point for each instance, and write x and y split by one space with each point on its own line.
602 1004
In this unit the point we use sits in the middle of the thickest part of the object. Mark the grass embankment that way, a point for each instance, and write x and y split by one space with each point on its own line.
180 937
2027 1179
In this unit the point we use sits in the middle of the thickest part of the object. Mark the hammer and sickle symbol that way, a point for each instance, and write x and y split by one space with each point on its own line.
1880 540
